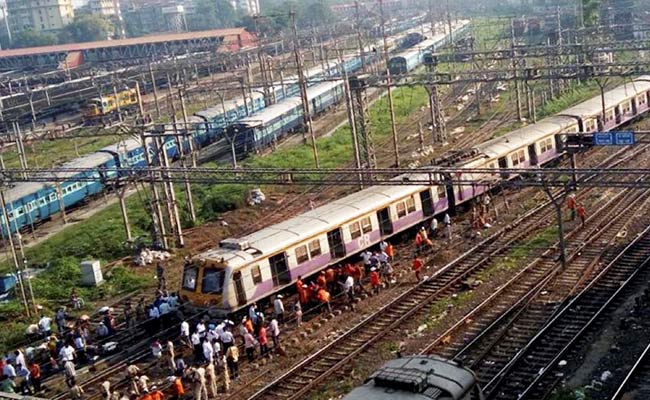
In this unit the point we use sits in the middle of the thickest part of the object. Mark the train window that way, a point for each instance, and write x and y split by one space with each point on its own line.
42 201
189 278
442 192
314 248
355 230
410 204
301 254
257 274
366 225
641 99
401 209
19 211
518 157
545 145
212 280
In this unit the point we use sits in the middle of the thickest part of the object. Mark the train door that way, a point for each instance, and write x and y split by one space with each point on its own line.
335 241
240 293
385 224
279 269
451 195
427 202
503 163
617 113
532 154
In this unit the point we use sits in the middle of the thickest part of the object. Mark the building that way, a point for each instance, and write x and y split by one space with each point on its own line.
39 15
107 8
248 7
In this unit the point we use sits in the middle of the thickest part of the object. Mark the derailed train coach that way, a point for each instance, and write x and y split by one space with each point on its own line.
252 268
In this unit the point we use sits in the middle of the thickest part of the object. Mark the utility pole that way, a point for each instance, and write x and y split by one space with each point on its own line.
306 115
155 91
160 232
388 83
182 152
358 86
362 51
351 120
14 256
168 185
20 147
451 34
514 68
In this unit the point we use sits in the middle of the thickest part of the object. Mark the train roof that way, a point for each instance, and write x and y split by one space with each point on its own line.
265 242
87 162
231 104
524 136
427 44
21 190
268 114
416 377
613 97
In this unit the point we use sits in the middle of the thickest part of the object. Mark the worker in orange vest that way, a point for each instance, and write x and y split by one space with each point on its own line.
322 281
156 394
571 205
582 214
324 298
303 294
417 267
375 281
330 277
390 251
177 389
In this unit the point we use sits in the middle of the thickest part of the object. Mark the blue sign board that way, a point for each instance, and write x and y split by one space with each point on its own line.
614 138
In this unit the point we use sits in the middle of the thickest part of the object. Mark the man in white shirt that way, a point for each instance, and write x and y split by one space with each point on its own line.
366 255
200 328
208 351
9 370
196 345
383 245
274 330
278 308
227 339
45 325
348 287
66 353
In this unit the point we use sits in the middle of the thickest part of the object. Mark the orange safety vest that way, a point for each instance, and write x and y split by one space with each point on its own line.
157 395
581 212
321 281
329 275
249 325
417 264
571 203
179 390
418 239
323 296
374 278
389 250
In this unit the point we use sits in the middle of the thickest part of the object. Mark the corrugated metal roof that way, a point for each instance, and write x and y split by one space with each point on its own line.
169 37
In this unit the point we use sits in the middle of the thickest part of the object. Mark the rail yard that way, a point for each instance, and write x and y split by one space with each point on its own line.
393 199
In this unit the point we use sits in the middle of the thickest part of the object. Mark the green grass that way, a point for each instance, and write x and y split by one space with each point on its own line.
45 154
514 257
575 94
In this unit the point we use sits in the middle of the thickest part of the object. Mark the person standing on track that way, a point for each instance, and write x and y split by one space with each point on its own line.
211 376
434 228
571 205
375 281
232 361
160 274
417 268
197 375
447 222
278 308
582 214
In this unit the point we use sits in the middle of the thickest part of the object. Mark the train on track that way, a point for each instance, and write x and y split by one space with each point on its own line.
109 104
30 203
419 378
251 268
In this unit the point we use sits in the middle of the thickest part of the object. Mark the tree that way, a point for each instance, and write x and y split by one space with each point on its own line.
316 13
31 38
211 14
87 28
590 10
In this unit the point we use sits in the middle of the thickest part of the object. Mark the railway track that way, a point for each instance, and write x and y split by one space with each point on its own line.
635 384
305 375
529 374
487 337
